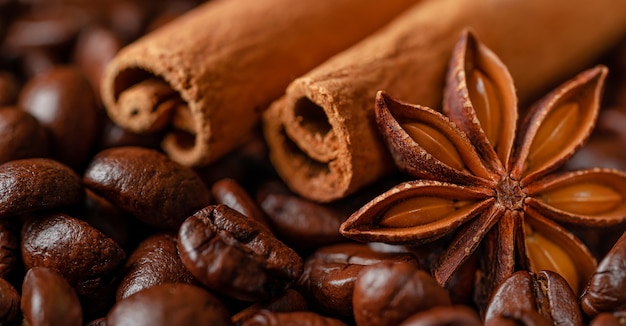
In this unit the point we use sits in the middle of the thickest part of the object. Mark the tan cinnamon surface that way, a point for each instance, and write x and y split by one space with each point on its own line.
321 134
225 62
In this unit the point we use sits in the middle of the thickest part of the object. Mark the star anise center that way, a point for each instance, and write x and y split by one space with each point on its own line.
510 194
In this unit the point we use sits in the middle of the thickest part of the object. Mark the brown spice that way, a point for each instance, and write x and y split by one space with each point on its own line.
489 181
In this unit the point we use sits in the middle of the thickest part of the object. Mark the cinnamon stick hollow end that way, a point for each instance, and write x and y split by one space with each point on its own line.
313 144
144 95
205 78
322 136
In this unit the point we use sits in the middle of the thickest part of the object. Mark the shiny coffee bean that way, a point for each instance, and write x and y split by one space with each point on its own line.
21 136
300 318
51 29
389 292
48 299
95 47
606 290
35 184
105 217
169 304
9 248
236 255
227 191
456 315
87 258
330 274
10 313
301 223
36 62
9 89
113 135
617 318
127 18
63 101
546 292
289 301
520 317
147 184
154 261
97 322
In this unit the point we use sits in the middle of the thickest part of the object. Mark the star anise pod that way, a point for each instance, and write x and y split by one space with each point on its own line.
489 183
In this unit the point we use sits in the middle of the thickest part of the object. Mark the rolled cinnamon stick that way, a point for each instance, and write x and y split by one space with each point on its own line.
321 133
206 77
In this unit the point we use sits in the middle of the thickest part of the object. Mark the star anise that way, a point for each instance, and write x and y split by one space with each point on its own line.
486 182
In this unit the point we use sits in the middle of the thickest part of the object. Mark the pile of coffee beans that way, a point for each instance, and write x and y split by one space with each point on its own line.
98 227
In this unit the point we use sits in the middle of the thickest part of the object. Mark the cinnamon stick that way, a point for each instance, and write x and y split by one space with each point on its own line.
321 133
206 77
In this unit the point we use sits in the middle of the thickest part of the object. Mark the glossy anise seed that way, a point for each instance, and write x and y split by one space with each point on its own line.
557 125
486 101
554 134
505 195
418 211
584 198
435 142
547 255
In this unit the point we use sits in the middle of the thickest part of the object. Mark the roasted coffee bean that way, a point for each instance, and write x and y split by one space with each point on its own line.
9 304
51 29
9 248
87 258
236 255
147 184
21 136
36 62
227 191
301 223
48 299
127 18
546 292
155 261
609 319
169 304
456 315
300 318
95 47
389 292
520 317
63 101
113 135
330 274
105 217
9 89
289 301
97 322
35 184
606 290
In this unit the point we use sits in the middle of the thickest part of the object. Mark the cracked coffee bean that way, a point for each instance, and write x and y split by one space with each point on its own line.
236 255
546 292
